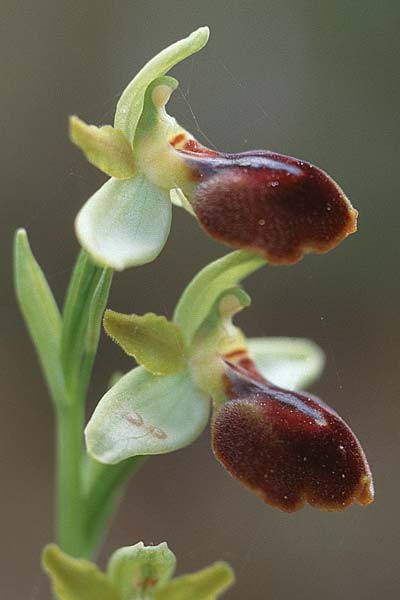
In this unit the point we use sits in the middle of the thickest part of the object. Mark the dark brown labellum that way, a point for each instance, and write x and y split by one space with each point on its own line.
269 203
288 447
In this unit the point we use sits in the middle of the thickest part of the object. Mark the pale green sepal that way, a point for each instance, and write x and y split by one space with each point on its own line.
105 147
125 223
76 579
200 295
156 343
217 333
130 105
157 157
217 337
291 363
115 377
178 198
40 312
146 414
208 584
138 571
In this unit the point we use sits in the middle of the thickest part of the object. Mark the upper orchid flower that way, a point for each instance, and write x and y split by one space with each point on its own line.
287 446
271 204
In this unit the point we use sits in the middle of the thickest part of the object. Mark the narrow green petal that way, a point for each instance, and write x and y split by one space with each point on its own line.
130 105
291 363
200 295
105 147
140 570
76 579
125 223
146 414
207 584
156 343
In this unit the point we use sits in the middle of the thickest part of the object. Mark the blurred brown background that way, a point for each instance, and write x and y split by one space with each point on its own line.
315 79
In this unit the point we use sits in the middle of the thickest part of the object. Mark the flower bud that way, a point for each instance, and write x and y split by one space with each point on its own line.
288 447
269 203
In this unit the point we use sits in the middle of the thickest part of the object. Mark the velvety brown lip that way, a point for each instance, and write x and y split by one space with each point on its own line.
288 447
272 204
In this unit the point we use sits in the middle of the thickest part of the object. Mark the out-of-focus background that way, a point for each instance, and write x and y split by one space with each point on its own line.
318 80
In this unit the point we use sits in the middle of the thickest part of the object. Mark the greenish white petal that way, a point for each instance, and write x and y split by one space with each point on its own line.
291 363
146 414
125 223
130 105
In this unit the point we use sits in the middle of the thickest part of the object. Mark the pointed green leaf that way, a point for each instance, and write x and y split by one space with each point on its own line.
155 343
200 295
105 147
146 414
40 312
291 363
125 223
207 584
130 105
76 579
137 571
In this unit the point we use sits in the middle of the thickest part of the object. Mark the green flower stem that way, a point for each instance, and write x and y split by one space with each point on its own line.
105 484
83 284
84 306
70 508
96 309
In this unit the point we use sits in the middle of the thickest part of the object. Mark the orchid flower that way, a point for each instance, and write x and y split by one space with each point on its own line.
287 446
264 202
136 572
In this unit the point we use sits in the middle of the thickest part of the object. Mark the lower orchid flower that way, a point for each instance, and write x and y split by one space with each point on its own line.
287 446
274 205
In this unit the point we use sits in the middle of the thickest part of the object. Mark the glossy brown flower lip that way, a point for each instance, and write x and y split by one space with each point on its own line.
288 447
265 202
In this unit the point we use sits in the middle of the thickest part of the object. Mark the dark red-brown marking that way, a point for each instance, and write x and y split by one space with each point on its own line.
177 139
275 205
288 447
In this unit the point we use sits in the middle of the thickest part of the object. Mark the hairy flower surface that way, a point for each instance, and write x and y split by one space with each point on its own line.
289 447
274 205
286 445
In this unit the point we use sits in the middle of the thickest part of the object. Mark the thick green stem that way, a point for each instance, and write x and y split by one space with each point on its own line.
85 302
70 510
87 492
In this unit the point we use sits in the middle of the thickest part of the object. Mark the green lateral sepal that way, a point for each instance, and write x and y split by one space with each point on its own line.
144 414
76 579
125 223
208 584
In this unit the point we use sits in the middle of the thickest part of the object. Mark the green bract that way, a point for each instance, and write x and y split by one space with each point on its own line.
136 572
127 221
150 413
